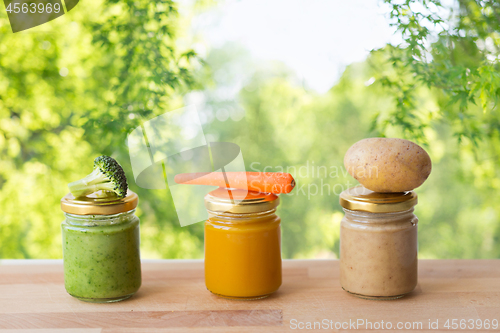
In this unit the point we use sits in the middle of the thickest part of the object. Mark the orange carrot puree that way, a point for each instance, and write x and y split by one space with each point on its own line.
243 254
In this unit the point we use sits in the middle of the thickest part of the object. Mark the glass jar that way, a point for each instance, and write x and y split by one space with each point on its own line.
378 243
242 244
100 238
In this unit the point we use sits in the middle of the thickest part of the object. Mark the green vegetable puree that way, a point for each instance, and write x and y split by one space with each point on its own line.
102 261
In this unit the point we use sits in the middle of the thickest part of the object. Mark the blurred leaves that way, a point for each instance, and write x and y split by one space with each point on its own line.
141 64
74 92
71 90
453 51
289 128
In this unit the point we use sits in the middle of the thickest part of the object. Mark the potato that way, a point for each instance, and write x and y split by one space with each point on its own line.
387 164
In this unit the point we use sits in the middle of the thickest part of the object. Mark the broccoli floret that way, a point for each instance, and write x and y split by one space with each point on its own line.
107 176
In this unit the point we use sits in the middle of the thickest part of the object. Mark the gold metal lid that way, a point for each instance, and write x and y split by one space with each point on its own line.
95 205
361 198
240 201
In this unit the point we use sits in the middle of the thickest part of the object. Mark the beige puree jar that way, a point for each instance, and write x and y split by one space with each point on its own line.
378 243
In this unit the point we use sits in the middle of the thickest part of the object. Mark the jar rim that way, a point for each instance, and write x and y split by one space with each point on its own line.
97 220
239 201
94 204
359 198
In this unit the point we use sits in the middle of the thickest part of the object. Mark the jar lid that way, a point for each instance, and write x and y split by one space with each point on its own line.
92 204
240 201
361 198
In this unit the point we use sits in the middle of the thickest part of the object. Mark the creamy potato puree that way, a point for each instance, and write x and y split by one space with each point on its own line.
378 253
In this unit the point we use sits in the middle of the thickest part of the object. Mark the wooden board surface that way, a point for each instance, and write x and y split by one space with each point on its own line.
173 298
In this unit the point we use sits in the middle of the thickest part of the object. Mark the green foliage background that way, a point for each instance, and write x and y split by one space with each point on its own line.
128 61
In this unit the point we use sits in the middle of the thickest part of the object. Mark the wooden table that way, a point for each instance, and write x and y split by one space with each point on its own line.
173 298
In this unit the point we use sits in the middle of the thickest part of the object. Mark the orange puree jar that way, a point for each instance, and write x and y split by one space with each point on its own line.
242 244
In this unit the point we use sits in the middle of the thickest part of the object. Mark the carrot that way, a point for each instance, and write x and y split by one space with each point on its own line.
269 182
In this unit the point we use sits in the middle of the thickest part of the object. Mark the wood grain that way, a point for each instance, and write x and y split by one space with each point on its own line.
173 298
143 319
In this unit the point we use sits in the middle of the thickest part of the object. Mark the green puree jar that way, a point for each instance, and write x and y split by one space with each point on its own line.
100 238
